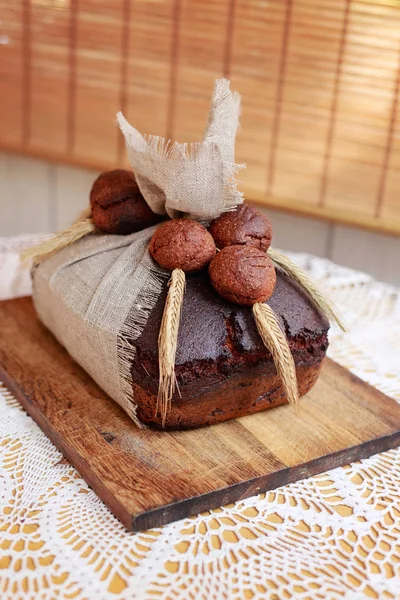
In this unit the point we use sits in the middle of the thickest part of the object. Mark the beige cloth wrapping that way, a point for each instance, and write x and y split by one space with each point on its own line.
194 180
96 295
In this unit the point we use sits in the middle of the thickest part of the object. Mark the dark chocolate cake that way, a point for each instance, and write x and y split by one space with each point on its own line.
223 369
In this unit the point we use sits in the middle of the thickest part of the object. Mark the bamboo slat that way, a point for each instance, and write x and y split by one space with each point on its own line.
320 80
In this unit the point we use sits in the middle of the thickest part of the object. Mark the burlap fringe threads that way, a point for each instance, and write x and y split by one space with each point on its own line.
168 341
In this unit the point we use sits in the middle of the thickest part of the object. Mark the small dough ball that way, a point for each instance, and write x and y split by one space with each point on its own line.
245 225
182 244
243 275
117 204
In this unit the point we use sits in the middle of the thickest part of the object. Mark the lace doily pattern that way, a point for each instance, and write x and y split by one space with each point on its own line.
333 536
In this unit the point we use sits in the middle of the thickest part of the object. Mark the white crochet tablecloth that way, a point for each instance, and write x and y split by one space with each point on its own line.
333 536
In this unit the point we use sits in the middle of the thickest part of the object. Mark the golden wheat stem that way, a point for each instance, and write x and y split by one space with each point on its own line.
58 242
275 340
308 285
167 342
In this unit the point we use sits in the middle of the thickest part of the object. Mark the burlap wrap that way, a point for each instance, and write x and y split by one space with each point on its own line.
96 295
194 180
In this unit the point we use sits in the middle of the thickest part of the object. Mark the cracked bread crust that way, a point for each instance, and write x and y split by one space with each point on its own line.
244 226
182 244
222 367
242 274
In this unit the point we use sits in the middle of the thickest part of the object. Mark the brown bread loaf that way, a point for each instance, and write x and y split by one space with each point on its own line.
223 369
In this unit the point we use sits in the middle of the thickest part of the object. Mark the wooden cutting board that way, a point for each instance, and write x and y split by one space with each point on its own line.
149 478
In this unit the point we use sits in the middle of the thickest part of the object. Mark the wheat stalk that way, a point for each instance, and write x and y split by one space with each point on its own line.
167 342
308 285
276 342
62 239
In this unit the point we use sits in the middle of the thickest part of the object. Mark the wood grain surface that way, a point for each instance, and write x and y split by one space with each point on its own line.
149 478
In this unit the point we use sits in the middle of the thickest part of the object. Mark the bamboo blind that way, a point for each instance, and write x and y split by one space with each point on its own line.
319 80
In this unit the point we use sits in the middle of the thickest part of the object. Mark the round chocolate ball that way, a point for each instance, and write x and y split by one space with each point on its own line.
117 204
182 244
243 275
243 226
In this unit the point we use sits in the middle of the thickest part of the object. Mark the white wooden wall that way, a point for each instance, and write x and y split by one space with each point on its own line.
37 196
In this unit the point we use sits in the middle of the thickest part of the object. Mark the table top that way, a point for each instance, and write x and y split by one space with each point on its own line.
332 536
